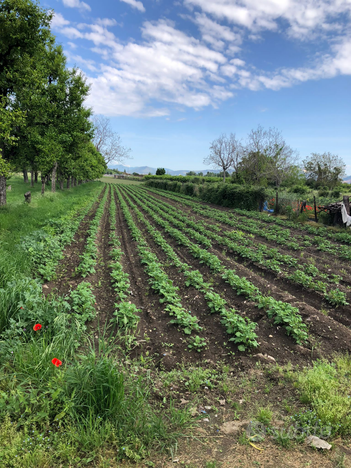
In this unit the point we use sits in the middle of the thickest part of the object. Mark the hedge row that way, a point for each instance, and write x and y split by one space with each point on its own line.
188 179
229 195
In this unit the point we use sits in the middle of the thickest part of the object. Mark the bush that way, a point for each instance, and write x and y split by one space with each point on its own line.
299 189
229 195
335 193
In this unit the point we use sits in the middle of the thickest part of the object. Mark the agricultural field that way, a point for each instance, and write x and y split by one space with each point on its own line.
171 332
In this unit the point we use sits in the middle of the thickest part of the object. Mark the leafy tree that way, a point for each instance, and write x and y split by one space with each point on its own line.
160 171
324 169
225 152
24 33
9 118
191 173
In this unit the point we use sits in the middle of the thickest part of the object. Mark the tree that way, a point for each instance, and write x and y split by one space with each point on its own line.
107 142
24 33
225 152
9 119
160 171
324 169
191 173
266 157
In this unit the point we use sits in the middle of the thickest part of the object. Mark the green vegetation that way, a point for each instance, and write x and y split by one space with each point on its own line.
45 126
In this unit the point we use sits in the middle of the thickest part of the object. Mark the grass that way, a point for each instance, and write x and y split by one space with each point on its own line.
18 219
326 387
111 180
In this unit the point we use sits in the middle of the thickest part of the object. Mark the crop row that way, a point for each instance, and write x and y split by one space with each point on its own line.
126 314
45 247
241 327
284 313
88 258
309 276
274 233
158 279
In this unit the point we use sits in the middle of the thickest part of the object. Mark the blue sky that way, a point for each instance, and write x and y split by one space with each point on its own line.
173 75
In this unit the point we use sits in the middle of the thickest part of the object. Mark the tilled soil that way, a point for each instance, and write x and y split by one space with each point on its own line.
168 345
327 334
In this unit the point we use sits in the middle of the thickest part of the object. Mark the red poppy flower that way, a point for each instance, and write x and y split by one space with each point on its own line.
37 326
21 307
56 362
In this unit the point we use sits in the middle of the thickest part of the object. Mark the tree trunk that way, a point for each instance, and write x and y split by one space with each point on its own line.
53 178
42 185
75 182
31 178
25 175
36 177
68 182
2 190
61 184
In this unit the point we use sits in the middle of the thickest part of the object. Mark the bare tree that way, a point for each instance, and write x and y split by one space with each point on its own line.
107 142
225 153
267 156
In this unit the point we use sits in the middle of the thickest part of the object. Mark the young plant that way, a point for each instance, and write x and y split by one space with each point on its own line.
197 343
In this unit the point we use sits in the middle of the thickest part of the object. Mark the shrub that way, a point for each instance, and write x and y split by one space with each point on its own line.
335 193
299 189
229 195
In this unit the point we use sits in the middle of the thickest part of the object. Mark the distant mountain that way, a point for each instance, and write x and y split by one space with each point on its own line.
146 169
347 179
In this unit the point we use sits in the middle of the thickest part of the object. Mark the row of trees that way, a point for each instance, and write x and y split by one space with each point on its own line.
44 126
266 159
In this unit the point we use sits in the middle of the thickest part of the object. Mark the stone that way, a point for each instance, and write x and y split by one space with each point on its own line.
316 442
183 402
233 427
222 402
264 357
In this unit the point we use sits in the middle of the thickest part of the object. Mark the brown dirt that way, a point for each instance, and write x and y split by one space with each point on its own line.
322 329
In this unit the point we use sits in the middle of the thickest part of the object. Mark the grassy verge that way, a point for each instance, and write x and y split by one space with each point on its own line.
111 180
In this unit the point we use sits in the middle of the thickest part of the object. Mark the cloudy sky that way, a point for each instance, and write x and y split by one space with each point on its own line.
173 75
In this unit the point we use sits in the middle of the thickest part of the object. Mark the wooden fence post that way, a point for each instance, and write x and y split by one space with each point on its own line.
276 203
315 209
346 201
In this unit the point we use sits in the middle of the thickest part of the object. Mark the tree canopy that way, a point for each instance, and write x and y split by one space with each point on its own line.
44 125
324 169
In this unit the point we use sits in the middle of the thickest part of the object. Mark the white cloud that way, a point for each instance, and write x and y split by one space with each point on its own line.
305 18
167 67
76 4
58 21
89 64
135 4
106 22
215 33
